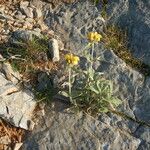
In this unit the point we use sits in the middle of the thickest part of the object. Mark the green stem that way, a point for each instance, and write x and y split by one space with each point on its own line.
70 85
92 55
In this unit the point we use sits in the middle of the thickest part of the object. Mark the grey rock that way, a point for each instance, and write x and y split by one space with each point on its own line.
24 4
144 134
10 74
71 23
133 16
141 109
20 16
44 82
54 50
37 13
28 11
64 130
129 85
23 36
16 105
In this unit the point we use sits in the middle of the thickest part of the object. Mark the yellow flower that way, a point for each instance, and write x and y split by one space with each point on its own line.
94 37
71 59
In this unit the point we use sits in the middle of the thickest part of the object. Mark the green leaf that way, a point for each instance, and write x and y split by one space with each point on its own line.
93 89
115 101
103 109
64 93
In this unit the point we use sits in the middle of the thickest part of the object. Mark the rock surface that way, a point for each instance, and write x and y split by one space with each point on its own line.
58 128
133 16
64 130
16 105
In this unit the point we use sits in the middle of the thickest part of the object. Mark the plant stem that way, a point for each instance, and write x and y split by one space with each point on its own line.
92 55
70 85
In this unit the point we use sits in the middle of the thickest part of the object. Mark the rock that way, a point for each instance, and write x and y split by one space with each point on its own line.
141 108
17 146
68 23
42 25
44 82
37 13
129 85
144 134
64 130
54 50
20 16
23 35
16 105
28 11
5 140
10 74
17 24
24 4
133 17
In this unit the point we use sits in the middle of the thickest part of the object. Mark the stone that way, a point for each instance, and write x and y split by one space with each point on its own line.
42 25
44 82
17 146
16 105
133 17
20 16
54 50
64 130
144 134
23 35
37 13
28 11
24 4
10 74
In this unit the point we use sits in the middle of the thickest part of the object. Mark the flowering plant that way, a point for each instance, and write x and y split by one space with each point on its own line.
88 89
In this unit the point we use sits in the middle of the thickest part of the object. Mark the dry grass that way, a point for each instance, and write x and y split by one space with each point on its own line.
12 134
33 56
116 39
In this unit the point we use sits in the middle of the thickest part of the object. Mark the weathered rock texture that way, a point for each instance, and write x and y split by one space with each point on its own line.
16 105
67 131
59 129
133 16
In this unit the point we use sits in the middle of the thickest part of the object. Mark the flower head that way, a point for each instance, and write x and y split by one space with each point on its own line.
71 59
94 37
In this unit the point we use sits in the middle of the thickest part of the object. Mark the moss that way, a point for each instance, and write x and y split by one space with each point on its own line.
116 39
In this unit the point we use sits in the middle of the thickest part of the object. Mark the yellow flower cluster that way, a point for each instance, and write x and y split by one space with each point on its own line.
94 37
72 59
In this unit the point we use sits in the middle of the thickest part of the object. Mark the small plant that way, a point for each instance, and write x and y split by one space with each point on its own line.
88 89
32 55
103 4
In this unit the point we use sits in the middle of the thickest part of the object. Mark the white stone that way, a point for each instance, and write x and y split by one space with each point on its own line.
54 50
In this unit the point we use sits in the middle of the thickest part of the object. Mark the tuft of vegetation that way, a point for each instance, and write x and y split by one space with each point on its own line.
116 39
88 90
28 54
30 58
103 4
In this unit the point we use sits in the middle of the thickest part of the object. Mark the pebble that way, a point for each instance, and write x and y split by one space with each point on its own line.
54 49
37 13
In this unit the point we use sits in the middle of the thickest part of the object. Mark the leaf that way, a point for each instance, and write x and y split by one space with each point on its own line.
103 109
64 93
91 73
92 88
115 101
98 58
